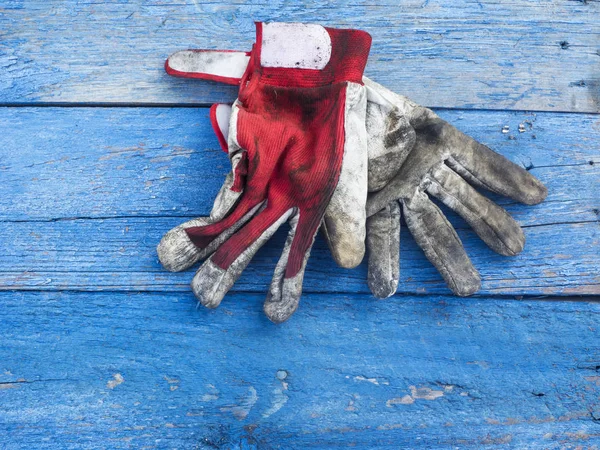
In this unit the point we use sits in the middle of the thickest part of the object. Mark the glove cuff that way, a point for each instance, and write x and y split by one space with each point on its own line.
308 55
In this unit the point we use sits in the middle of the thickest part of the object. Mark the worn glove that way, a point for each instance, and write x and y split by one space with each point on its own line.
440 164
297 137
441 159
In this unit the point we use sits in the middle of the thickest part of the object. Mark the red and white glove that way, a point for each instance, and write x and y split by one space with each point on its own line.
297 142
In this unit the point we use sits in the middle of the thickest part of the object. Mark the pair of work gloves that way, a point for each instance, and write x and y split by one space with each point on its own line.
314 143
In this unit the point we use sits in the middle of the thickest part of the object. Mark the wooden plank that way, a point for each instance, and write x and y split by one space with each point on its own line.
112 162
151 371
120 255
541 55
88 192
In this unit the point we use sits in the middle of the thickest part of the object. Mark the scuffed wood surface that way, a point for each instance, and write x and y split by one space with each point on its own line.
117 371
90 191
536 55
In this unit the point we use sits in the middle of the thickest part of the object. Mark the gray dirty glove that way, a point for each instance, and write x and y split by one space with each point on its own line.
441 164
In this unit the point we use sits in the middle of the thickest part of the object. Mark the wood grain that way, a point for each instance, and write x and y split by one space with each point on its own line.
120 255
524 55
111 370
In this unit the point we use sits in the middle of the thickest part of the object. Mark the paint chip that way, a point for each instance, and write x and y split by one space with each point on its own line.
280 398
117 380
406 400
370 380
241 410
425 393
422 393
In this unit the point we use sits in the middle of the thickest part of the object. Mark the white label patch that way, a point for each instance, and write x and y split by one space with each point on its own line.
295 46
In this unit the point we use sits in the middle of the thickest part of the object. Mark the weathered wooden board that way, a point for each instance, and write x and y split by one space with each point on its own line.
88 192
107 370
120 255
112 162
536 55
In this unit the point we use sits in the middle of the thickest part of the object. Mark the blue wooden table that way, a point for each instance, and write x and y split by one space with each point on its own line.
101 153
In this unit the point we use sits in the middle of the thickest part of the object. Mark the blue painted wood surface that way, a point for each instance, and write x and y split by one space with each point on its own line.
101 348
536 55
116 370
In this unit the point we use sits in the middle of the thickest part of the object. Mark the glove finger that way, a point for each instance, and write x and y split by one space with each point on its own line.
177 252
491 222
286 286
226 197
234 184
344 221
383 247
442 246
485 168
218 274
205 235
217 65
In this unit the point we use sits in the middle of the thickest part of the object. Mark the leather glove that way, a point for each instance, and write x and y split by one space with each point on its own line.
441 161
296 137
